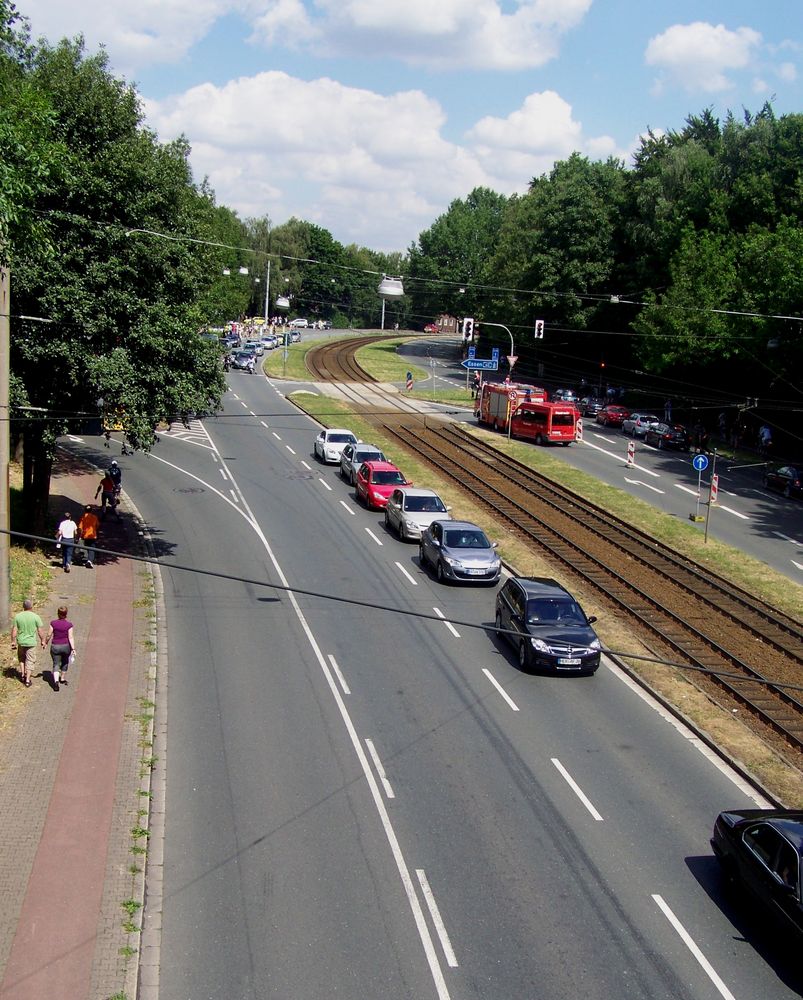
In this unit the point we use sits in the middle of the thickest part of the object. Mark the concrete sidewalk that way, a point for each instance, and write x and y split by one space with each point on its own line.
73 781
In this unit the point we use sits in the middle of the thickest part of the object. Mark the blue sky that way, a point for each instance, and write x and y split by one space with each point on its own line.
369 117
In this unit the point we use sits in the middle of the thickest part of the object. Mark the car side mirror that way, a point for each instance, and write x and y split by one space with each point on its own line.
592 619
494 545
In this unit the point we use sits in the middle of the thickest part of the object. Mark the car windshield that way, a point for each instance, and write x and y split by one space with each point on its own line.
466 539
385 478
340 438
554 611
426 504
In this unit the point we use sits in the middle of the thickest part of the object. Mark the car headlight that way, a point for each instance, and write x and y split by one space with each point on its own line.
540 645
595 645
450 561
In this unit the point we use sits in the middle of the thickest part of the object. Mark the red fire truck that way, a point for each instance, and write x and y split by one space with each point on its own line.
497 400
546 422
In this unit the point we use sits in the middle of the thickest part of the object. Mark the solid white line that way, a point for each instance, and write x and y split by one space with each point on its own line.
287 446
398 856
223 473
410 578
437 920
500 689
797 565
686 489
264 424
379 769
306 465
323 482
449 625
577 789
621 458
378 542
348 508
339 675
735 513
203 482
690 944
276 435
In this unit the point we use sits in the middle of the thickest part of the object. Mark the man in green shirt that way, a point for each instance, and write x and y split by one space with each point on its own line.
24 632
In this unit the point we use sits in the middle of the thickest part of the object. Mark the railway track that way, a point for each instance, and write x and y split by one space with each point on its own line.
745 648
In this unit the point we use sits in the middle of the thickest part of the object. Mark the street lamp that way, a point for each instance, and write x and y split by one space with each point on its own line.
389 288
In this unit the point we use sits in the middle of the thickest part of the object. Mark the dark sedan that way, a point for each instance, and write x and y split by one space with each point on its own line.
761 850
668 436
547 626
786 479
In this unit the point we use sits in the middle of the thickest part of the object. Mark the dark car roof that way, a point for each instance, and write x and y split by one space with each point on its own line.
789 822
541 586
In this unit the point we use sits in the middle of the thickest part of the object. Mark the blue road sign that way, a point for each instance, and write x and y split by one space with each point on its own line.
700 462
495 353
482 364
472 353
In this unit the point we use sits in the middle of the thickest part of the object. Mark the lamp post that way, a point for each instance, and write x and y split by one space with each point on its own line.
389 288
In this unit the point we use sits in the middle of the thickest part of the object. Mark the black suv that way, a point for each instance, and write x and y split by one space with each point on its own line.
547 626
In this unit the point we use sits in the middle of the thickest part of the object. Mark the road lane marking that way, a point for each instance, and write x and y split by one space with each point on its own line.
244 405
214 456
449 625
380 770
234 496
338 673
786 538
348 508
203 482
410 578
797 565
621 458
287 446
306 465
687 939
735 513
638 482
686 489
323 482
377 540
500 689
264 424
276 435
437 920
72 437
578 791
252 413
223 473
235 395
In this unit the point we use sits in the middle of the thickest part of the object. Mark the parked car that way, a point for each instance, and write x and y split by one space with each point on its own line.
590 406
243 361
329 444
564 396
269 341
354 455
787 479
761 850
459 551
375 481
612 415
255 346
410 510
668 436
298 323
547 626
295 336
636 424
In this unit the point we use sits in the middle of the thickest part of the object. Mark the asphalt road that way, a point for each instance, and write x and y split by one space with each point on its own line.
755 520
366 797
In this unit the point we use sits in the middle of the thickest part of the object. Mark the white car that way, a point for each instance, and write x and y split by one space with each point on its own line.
410 510
256 346
329 444
299 323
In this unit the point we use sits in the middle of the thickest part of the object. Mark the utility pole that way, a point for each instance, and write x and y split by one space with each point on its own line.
5 425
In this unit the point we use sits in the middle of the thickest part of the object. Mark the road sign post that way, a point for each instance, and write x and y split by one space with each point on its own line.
700 464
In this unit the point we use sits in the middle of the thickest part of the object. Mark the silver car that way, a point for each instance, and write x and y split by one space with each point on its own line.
354 455
459 550
637 424
410 510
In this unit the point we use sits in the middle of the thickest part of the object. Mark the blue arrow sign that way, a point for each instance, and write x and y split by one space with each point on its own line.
700 462
472 353
495 353
482 364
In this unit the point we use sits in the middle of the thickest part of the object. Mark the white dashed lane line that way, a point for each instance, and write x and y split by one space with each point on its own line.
730 510
234 496
338 674
500 689
323 482
372 535
276 435
437 920
287 446
687 939
244 405
638 482
379 769
306 465
576 789
449 625
412 580
686 489
223 473
264 424
348 508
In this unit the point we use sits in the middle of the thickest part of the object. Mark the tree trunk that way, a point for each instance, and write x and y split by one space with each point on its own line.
36 469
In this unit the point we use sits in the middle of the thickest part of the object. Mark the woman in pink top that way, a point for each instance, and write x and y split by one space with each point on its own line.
62 646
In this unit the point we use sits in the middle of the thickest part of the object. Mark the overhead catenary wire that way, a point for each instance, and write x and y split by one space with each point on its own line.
391 609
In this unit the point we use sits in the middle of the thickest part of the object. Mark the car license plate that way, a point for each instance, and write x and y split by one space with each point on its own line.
569 661
475 572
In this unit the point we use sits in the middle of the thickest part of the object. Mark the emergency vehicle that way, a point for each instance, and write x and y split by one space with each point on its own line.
546 423
496 400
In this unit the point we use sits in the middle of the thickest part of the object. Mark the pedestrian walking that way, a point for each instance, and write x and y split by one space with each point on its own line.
62 646
668 411
88 528
106 493
764 440
65 537
27 632
475 385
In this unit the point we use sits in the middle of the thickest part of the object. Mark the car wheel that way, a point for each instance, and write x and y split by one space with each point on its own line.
539 439
439 572
498 624
660 444
523 663
422 559
387 522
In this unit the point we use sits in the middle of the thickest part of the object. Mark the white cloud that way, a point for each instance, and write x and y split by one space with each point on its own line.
787 72
442 34
697 56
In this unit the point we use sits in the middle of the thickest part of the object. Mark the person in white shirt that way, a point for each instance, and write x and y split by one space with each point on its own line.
65 536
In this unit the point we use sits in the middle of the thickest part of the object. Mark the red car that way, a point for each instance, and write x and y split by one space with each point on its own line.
612 416
376 481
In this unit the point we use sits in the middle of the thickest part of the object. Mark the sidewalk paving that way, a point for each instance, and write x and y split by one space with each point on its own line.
71 775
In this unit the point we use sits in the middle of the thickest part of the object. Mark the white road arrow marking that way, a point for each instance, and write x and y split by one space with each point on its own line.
638 482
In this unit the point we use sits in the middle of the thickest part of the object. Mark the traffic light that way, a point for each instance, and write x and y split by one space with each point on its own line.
468 329
539 329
